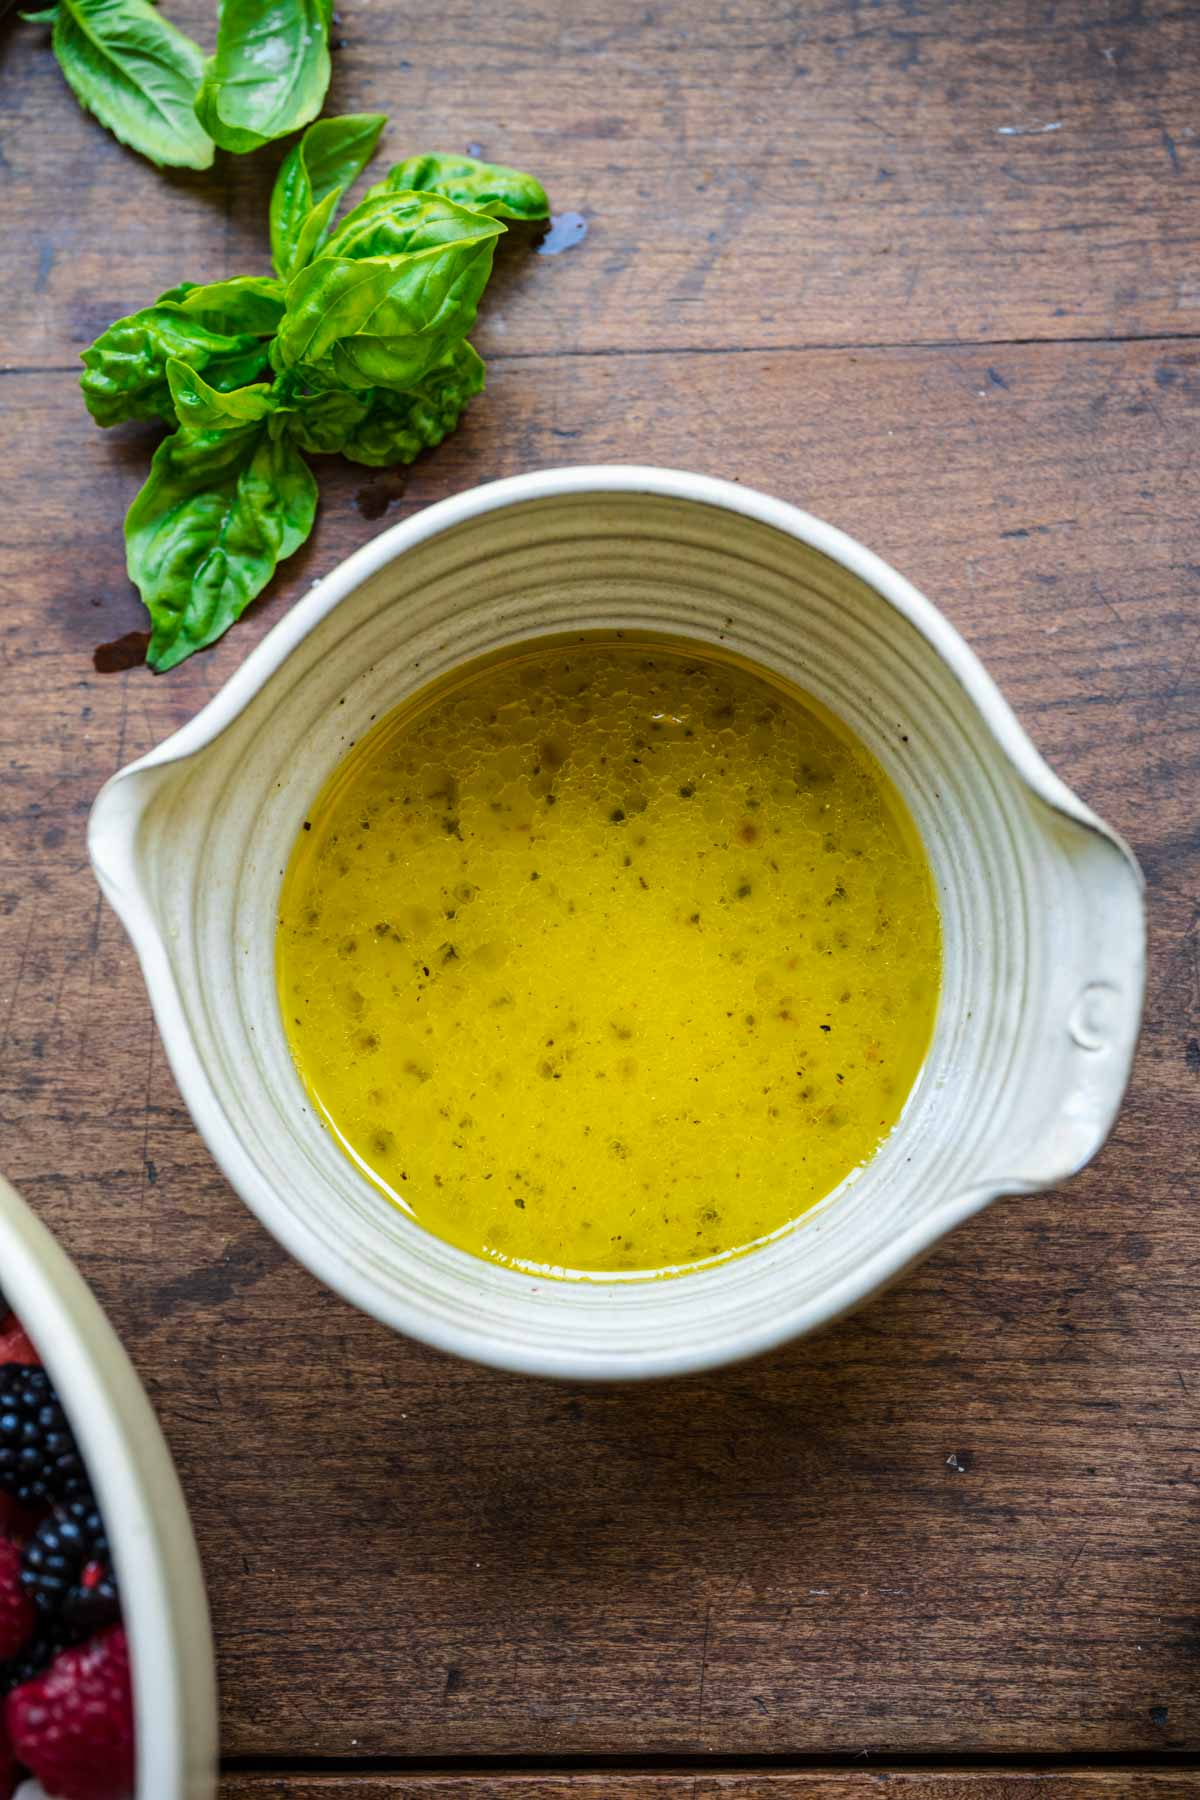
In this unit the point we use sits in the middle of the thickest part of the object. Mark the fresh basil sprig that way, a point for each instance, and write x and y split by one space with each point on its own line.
136 72
357 345
152 87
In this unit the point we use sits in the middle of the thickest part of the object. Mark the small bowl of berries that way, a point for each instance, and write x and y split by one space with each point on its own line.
107 1683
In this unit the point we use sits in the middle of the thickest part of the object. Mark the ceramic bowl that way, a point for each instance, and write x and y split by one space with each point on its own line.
1041 903
162 1589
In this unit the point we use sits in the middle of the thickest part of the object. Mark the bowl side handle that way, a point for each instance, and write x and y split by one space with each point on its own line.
1088 1015
115 838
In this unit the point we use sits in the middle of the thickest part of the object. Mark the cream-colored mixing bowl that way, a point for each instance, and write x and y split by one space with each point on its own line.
1041 904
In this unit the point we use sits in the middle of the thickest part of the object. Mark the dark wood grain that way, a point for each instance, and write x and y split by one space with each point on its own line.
842 1784
409 1557
828 172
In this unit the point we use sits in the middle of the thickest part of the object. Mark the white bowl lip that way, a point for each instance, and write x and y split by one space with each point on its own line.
890 1261
163 1601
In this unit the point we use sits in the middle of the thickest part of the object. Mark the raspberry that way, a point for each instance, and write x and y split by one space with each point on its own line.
17 1614
15 1347
73 1726
51 1637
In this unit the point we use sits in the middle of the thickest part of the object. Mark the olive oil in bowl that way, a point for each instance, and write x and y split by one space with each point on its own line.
609 958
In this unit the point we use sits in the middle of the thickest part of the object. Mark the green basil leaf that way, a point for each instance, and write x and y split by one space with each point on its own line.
252 303
321 423
403 222
487 187
397 427
176 293
381 427
331 154
137 73
219 511
204 408
125 370
270 71
395 290
46 17
314 231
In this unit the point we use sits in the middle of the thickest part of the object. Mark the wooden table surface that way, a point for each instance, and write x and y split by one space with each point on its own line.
930 268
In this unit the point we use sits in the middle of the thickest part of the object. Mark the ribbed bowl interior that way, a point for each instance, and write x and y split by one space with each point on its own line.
214 842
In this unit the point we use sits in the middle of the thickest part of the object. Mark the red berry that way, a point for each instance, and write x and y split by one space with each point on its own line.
8 1768
15 1347
73 1726
17 1613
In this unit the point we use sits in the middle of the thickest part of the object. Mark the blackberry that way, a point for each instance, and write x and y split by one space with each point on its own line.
38 1456
67 1568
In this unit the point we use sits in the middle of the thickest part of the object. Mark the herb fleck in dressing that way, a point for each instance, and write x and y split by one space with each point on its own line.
608 958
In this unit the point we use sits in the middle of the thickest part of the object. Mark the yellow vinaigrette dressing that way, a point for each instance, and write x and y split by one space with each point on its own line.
608 957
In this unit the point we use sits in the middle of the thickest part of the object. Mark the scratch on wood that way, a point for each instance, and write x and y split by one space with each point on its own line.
1101 595
93 954
704 1662
16 986
1183 673
1169 147
1067 1573
146 1130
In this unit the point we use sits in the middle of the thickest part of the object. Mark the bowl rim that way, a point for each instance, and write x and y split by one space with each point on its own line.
107 849
630 478
163 1601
